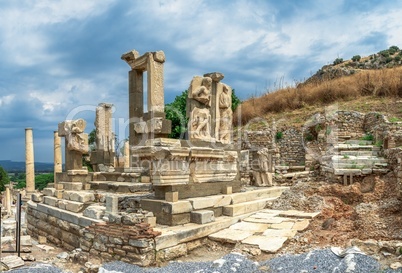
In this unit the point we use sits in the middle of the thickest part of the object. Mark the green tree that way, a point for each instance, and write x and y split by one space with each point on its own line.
356 58
41 180
4 179
176 112
338 61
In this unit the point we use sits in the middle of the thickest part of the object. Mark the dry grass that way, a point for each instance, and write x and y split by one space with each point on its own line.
384 83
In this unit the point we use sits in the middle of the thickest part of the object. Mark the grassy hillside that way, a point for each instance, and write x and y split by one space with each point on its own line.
362 90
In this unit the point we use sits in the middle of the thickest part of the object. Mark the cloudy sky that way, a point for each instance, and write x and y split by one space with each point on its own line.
60 58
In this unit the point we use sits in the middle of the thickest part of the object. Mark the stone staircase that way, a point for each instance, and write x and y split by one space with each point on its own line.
354 158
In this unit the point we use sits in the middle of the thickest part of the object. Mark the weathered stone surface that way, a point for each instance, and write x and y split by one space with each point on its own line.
230 235
95 212
166 207
301 225
12 261
247 207
49 191
247 226
74 206
283 225
210 201
202 216
51 201
299 214
280 233
267 220
266 244
242 197
112 203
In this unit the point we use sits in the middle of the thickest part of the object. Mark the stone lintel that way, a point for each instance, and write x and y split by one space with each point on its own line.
215 76
137 62
206 153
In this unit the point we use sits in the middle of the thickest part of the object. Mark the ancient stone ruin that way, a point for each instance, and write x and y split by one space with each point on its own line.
171 194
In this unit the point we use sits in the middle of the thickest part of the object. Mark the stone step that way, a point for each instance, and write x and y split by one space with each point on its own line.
356 153
251 195
72 206
79 196
345 147
202 216
72 186
246 207
359 142
113 186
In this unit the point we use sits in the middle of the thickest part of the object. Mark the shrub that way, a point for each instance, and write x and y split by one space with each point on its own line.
338 61
397 59
368 137
278 135
393 49
388 59
384 53
356 58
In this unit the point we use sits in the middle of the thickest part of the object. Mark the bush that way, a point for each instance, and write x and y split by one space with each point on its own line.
338 61
388 59
356 58
397 59
368 137
384 53
278 135
393 49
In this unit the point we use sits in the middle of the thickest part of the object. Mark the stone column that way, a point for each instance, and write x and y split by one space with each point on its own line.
8 200
29 161
127 163
58 162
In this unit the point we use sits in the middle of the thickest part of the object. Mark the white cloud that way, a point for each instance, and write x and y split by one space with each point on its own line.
4 100
23 26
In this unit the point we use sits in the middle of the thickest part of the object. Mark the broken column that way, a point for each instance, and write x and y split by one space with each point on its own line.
76 144
58 162
102 158
29 161
152 124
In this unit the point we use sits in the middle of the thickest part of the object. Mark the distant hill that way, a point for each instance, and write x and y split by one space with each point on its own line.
16 166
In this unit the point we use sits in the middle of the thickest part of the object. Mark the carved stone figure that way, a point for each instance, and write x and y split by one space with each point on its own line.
226 115
200 124
203 92
263 176
76 142
199 108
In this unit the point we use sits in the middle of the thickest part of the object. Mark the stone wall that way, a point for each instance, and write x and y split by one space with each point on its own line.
349 123
132 244
58 231
291 147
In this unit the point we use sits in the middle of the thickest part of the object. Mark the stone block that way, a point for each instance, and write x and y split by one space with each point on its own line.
112 204
161 206
230 235
58 194
172 196
74 206
210 201
247 226
271 192
202 216
151 221
266 244
247 207
51 201
26 240
42 240
58 186
72 186
49 191
301 225
94 212
227 190
82 197
290 233
37 197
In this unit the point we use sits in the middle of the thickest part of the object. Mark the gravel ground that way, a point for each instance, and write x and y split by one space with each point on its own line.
317 261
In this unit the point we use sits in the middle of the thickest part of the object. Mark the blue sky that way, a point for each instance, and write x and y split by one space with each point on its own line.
60 58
